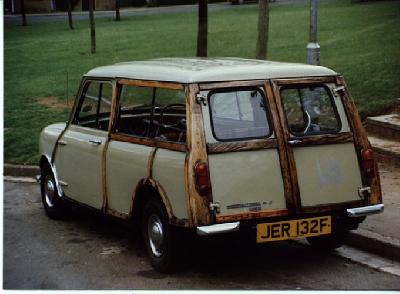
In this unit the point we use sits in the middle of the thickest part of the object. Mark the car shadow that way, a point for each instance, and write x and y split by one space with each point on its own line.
226 255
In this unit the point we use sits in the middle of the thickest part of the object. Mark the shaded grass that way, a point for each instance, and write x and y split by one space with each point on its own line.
360 41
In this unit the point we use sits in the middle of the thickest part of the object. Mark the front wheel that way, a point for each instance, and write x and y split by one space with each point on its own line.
161 239
53 205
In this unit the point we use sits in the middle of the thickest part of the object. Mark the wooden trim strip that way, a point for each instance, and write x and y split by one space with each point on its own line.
361 141
286 156
154 84
150 162
198 205
104 184
324 139
233 84
305 80
251 215
333 206
148 142
241 146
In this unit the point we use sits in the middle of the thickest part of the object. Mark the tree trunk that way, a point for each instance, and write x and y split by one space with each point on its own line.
92 27
263 23
23 14
117 15
70 14
202 29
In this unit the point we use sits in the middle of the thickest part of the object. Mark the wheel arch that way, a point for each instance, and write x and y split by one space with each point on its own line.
147 189
46 160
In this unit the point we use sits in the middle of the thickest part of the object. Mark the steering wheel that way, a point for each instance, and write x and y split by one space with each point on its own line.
163 111
308 122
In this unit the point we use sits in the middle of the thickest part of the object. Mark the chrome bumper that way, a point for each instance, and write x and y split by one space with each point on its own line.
218 229
366 210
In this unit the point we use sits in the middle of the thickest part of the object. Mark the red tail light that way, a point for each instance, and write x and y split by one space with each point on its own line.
202 179
368 162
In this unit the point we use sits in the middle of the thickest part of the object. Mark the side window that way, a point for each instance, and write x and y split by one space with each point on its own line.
239 114
152 113
310 111
94 107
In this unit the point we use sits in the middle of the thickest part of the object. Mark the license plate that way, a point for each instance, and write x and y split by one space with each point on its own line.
292 229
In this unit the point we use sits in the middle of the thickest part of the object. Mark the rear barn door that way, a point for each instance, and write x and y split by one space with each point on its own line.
320 144
243 155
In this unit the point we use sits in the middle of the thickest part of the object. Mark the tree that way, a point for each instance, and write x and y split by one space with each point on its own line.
117 16
263 24
23 14
70 14
202 32
92 28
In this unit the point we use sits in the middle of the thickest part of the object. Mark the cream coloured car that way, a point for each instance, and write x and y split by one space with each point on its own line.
214 146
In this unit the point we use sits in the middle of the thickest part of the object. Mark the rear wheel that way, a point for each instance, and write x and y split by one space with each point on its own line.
161 240
53 205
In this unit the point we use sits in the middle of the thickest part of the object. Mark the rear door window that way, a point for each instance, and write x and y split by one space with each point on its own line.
310 110
152 113
239 114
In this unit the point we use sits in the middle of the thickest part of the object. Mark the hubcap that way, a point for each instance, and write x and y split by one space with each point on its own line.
49 191
155 235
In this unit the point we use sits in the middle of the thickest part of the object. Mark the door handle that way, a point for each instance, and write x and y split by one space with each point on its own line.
95 142
294 142
62 143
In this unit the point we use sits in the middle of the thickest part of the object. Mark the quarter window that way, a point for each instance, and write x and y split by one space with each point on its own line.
239 114
310 110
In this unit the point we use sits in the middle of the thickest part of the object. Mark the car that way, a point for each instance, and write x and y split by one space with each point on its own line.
209 146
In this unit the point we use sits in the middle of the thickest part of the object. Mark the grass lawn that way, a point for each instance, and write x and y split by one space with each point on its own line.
360 41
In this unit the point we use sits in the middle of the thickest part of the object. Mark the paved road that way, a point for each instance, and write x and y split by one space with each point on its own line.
90 252
33 18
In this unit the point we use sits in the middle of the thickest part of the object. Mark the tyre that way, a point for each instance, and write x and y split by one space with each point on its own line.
54 206
329 242
161 240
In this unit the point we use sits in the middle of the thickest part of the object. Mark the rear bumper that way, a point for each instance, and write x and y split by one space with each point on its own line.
364 211
357 212
218 229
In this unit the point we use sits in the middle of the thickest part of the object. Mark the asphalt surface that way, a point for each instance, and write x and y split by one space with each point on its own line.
91 252
125 12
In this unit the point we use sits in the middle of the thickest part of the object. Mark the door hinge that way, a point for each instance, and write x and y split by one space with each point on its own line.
338 89
201 99
215 207
364 192
62 183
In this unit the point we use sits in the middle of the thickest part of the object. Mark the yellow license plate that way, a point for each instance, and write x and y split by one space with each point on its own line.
292 229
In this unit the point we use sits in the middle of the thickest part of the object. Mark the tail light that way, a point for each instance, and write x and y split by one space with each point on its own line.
368 162
202 178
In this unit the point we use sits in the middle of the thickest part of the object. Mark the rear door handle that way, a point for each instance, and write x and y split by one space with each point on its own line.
95 142
62 143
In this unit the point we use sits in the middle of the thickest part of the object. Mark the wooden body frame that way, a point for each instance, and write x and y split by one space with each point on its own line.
196 149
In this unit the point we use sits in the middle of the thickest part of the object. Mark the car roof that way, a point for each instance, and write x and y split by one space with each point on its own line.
197 70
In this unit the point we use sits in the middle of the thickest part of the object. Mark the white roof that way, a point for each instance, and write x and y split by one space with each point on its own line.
197 70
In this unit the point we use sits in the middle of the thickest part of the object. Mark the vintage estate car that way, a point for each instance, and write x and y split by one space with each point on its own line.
213 146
